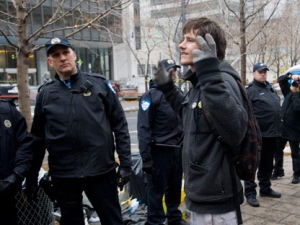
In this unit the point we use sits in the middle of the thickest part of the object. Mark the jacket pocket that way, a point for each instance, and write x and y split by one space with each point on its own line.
203 185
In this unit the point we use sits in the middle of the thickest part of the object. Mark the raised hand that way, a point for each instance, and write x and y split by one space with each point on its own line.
208 48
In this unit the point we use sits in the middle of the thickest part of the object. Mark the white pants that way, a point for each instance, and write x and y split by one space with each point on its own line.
229 218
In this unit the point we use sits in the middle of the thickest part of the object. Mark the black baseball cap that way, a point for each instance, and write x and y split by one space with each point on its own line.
57 41
169 63
259 67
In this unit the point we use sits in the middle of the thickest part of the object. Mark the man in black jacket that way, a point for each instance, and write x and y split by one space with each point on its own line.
215 94
290 87
80 121
160 136
266 106
15 159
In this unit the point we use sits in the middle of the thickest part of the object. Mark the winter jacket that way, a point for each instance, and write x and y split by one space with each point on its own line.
267 109
157 124
208 183
15 141
290 110
78 126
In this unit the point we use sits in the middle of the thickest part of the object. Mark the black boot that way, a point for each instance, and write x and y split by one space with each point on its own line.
296 180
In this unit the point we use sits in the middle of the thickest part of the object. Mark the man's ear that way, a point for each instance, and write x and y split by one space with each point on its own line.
74 55
49 62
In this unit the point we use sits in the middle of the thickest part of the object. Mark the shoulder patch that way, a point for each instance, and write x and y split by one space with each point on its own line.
7 123
145 104
111 87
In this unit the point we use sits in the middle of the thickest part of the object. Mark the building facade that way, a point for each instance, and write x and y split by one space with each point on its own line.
93 45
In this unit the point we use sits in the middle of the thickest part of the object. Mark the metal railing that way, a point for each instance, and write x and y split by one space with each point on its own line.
35 213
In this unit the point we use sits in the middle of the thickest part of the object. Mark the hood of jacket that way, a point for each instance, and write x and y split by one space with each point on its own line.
224 66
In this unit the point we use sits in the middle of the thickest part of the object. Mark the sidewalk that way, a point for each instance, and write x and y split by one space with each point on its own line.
281 211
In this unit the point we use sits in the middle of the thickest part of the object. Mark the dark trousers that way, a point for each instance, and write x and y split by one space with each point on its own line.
101 191
265 168
295 157
8 210
278 155
165 180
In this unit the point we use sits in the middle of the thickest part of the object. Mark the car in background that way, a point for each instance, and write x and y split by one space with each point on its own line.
11 92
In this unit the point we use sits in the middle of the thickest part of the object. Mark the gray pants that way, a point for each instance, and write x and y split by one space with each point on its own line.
214 219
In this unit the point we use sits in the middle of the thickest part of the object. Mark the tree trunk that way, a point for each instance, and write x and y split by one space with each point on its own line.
23 64
243 41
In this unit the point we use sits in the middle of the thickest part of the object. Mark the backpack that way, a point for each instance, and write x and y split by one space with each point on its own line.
246 160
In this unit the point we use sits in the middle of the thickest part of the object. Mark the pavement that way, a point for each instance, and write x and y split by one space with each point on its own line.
280 211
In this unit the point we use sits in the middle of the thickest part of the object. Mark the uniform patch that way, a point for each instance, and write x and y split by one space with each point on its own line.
145 104
88 93
7 123
111 87
200 105
194 105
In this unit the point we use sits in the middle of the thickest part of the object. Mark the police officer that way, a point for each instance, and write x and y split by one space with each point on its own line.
159 135
267 109
80 121
15 159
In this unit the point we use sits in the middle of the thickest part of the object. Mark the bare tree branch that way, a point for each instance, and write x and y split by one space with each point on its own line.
8 40
265 23
34 8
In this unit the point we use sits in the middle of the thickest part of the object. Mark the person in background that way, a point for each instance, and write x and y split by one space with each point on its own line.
267 110
15 159
207 179
81 122
290 87
160 135
278 170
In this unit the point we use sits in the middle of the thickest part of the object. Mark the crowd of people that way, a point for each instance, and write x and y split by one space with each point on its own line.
79 120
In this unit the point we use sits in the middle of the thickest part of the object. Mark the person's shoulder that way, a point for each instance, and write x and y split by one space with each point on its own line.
96 75
249 85
8 104
45 85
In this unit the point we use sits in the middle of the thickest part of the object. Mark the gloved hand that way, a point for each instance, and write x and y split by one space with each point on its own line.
123 177
147 167
161 75
207 48
31 189
11 183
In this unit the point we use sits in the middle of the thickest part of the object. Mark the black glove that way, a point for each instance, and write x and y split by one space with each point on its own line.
31 189
47 185
208 48
123 177
148 167
161 75
12 183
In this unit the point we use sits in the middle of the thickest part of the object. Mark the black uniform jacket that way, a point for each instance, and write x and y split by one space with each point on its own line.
157 123
15 141
267 109
80 127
